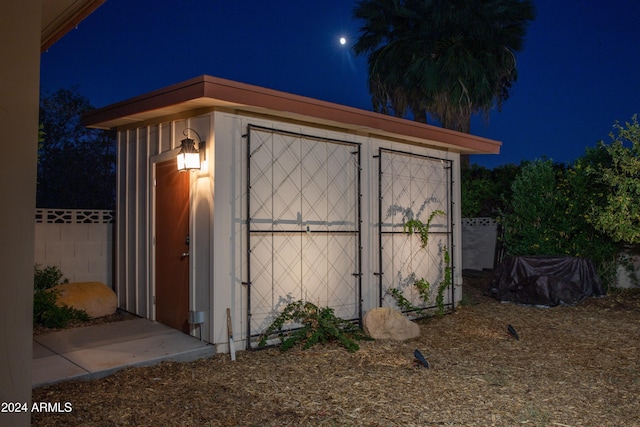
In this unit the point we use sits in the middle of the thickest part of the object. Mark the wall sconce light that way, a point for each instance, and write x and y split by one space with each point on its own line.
190 155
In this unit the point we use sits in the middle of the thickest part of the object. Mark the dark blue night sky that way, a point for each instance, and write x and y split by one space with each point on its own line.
578 73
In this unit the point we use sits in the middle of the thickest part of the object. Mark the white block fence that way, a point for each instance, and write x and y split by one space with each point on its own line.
478 243
78 241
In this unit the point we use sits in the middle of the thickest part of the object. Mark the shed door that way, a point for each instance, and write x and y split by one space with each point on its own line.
412 186
172 246
304 225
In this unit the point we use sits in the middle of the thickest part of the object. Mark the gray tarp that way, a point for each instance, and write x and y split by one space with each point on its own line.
546 281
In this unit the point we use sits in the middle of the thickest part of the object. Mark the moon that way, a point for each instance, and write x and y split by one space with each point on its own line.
343 41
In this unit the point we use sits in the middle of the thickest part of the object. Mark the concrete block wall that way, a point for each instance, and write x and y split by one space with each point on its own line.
628 270
478 243
79 242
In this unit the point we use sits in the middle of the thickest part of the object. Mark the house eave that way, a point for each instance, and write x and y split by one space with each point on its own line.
61 16
213 93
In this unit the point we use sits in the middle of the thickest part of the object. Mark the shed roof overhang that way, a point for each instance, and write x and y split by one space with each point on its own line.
206 92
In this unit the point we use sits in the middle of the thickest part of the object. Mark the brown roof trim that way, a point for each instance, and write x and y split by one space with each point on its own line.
66 21
213 91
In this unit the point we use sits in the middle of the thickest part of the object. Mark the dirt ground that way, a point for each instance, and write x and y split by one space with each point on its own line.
573 366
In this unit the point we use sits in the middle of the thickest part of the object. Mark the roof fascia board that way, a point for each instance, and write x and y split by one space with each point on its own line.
241 96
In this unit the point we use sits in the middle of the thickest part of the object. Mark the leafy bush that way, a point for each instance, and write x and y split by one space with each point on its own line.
581 193
548 213
45 310
319 325
619 215
49 315
588 209
486 192
47 277
531 228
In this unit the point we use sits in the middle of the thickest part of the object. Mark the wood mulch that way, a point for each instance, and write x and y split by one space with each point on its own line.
573 366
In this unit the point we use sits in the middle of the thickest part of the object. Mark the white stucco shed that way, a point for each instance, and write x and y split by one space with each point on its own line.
296 199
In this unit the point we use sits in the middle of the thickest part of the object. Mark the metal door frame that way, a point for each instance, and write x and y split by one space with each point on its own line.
357 231
447 164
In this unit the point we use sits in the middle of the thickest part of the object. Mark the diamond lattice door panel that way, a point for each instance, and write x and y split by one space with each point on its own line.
413 187
303 224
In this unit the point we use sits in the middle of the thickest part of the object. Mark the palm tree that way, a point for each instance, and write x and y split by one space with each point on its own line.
450 59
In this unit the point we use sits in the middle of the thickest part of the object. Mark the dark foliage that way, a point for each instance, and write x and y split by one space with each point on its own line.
45 310
76 167
548 214
319 325
447 59
486 192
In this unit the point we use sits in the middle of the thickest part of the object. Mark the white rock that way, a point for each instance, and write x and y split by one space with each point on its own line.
386 323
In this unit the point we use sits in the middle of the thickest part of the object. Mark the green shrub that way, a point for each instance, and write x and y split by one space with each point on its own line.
486 192
548 213
47 277
319 325
619 215
49 315
530 229
45 310
588 209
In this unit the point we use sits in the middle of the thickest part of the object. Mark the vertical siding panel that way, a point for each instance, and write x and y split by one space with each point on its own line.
178 127
130 199
159 136
131 220
126 219
165 137
142 219
138 202
153 149
120 226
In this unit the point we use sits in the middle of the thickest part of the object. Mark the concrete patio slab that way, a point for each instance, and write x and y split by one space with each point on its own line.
100 350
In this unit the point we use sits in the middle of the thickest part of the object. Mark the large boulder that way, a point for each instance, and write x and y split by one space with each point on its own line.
95 298
386 323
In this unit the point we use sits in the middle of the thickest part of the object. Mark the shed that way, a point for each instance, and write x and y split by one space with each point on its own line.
296 199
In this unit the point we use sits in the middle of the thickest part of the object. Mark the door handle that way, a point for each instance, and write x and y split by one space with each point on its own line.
184 254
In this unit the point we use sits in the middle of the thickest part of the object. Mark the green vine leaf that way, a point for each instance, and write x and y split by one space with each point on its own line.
319 325
421 228
422 285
